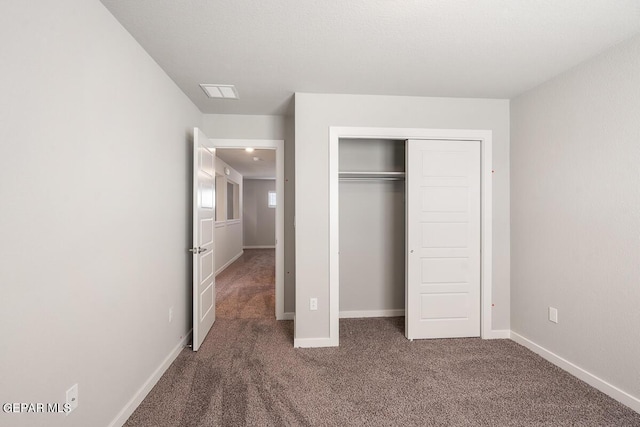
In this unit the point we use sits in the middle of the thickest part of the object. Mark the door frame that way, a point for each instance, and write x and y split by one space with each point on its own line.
278 146
486 211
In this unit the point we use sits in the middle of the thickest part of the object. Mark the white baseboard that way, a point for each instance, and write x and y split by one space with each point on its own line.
499 334
260 247
287 316
142 392
356 314
314 342
594 381
221 269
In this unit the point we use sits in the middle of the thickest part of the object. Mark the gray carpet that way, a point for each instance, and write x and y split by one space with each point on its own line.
248 373
246 289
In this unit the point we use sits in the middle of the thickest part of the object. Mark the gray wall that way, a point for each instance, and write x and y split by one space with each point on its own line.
372 228
258 218
95 183
236 126
575 209
315 113
233 126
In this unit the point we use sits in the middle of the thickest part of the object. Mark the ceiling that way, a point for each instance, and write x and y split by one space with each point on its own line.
243 162
461 48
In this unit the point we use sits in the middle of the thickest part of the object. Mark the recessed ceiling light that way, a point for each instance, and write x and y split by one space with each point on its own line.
249 150
256 159
220 91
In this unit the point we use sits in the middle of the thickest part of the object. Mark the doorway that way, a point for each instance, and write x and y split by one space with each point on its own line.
273 149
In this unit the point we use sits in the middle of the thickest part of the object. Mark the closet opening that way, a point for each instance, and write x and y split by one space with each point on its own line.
437 240
372 228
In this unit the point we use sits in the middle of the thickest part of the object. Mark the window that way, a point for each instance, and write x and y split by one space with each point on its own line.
233 200
220 195
272 199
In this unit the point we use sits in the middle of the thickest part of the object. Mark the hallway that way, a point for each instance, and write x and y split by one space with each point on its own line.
246 289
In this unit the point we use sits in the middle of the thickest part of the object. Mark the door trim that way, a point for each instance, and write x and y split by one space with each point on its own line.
486 210
278 145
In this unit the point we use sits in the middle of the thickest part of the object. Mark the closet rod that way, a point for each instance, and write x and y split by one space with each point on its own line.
371 178
370 173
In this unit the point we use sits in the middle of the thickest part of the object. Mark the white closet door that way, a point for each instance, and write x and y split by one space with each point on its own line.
443 239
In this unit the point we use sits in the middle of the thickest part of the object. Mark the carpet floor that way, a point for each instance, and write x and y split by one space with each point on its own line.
246 289
248 373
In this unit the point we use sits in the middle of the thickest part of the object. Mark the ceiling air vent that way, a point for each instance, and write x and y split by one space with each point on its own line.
220 91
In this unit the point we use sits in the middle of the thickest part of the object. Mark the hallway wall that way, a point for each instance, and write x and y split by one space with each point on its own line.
228 230
258 218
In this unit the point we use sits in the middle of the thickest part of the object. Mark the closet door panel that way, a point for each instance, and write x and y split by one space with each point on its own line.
444 270
443 199
444 234
451 307
443 239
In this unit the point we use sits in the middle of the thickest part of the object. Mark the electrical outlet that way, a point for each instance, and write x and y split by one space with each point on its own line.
553 314
313 304
170 314
72 398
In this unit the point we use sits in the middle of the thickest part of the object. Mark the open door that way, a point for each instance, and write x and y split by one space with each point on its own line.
443 239
204 277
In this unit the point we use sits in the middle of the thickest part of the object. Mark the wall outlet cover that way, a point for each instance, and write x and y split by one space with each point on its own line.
72 398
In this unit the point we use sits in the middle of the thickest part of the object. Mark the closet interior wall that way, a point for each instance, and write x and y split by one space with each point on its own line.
372 227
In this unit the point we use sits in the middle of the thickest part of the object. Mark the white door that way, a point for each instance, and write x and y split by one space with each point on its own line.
443 239
204 196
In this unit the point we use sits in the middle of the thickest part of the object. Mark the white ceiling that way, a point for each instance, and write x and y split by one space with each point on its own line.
243 162
456 48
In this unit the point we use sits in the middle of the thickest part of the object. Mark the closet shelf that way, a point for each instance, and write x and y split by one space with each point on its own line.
379 175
